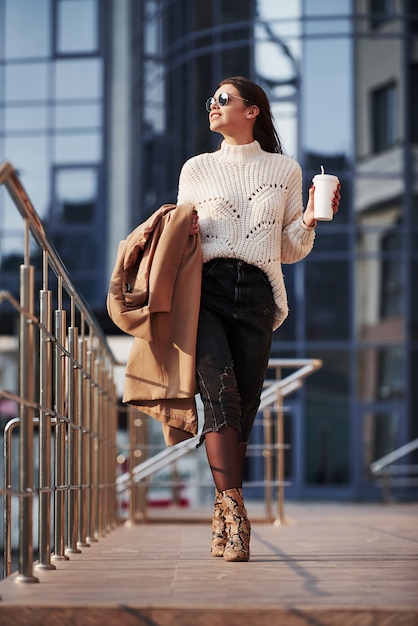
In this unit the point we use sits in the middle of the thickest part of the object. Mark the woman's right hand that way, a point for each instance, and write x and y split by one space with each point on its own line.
194 224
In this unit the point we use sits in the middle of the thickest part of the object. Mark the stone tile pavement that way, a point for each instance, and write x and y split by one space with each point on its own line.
330 565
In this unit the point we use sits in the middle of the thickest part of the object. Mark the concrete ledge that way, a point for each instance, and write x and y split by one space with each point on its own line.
205 616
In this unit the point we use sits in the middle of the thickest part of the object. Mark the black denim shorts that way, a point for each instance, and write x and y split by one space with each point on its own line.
233 344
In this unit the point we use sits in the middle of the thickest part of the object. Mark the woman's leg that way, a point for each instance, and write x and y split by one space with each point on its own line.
223 349
225 458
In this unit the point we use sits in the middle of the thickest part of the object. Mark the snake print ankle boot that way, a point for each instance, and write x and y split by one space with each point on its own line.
217 545
238 527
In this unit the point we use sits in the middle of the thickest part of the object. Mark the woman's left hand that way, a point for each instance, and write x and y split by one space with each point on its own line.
194 224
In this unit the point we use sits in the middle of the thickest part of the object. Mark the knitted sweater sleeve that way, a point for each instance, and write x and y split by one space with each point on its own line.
297 238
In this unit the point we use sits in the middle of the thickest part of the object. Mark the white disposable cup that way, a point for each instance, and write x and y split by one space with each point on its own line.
325 185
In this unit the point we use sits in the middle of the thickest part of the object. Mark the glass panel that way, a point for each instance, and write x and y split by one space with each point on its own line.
11 257
75 195
26 81
30 157
2 86
11 219
234 10
154 113
86 148
78 116
77 27
78 79
327 240
383 107
327 300
26 118
414 300
381 374
27 28
326 111
379 301
277 60
327 434
327 7
77 250
380 435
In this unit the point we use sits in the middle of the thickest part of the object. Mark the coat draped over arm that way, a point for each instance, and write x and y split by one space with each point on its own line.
154 295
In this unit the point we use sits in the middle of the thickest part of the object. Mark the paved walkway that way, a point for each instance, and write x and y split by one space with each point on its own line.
331 565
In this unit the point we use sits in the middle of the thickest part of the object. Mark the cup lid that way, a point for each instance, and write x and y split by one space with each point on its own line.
328 177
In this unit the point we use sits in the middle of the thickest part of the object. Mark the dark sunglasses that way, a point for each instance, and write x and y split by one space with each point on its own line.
222 100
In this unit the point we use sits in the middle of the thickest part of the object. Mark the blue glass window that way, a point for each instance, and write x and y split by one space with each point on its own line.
26 29
78 79
76 27
26 82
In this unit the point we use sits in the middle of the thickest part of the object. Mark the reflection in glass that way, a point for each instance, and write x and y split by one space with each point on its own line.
383 106
277 61
75 195
327 424
380 299
414 299
380 435
327 300
381 374
78 17
326 96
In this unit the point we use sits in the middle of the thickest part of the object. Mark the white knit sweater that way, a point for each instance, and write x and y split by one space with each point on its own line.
250 208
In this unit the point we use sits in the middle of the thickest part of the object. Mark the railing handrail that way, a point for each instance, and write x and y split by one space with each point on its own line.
380 464
10 179
66 388
271 396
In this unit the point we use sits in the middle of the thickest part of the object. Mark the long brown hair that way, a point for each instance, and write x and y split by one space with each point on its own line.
264 130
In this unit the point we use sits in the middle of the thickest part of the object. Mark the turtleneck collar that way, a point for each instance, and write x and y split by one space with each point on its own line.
240 154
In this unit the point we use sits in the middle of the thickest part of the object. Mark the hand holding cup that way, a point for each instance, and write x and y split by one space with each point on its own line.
324 196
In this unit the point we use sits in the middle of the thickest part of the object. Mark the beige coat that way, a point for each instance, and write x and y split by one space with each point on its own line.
154 295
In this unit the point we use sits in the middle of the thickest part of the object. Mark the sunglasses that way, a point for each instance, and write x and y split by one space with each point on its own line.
222 100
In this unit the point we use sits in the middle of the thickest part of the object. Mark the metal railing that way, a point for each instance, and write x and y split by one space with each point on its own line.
66 390
272 448
392 475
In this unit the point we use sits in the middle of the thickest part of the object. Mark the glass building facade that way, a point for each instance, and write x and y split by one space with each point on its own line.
52 112
102 102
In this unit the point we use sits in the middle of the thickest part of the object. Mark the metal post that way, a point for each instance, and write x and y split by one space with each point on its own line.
45 401
60 434
26 391
72 433
110 457
89 447
112 463
94 442
7 498
98 458
132 447
268 464
280 459
83 439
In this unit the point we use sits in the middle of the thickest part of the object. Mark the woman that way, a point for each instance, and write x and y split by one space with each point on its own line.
248 201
